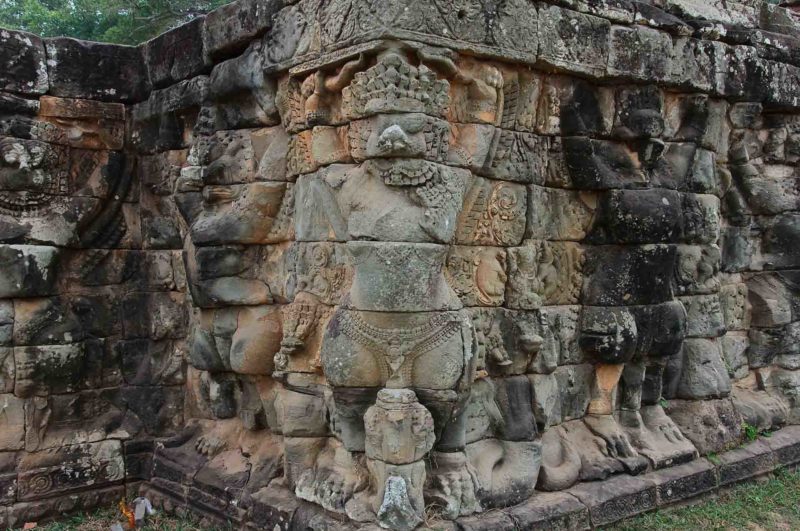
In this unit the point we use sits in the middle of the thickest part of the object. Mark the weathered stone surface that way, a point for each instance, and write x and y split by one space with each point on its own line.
784 446
601 164
45 473
348 264
28 270
24 58
477 274
13 422
572 41
704 316
638 216
699 372
616 498
228 29
544 273
176 55
684 482
734 348
43 509
557 214
749 461
628 275
551 510
493 214
639 53
711 425
80 69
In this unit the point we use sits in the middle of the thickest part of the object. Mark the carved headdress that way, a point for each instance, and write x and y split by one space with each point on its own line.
394 85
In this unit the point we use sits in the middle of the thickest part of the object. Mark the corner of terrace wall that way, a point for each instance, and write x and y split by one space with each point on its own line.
306 265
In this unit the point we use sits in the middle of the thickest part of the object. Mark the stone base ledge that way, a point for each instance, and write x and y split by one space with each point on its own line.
584 506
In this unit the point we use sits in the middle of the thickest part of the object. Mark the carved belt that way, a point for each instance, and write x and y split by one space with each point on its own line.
395 349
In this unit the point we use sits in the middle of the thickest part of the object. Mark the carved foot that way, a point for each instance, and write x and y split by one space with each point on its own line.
656 437
335 479
561 462
605 426
217 437
617 443
451 486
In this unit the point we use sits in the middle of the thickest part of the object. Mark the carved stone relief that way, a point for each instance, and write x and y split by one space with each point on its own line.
405 261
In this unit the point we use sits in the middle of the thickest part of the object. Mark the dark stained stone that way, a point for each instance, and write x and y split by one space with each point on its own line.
625 275
24 63
743 463
684 482
176 55
107 72
616 498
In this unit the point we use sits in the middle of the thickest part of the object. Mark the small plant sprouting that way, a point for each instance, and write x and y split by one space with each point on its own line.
714 458
751 432
663 402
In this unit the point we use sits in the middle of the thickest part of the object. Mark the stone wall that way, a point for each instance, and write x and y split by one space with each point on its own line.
307 264
93 311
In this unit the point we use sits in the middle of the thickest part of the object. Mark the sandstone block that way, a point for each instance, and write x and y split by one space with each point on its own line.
711 425
28 270
628 275
12 422
551 510
42 473
544 273
24 56
572 41
557 214
176 55
639 52
616 498
80 69
477 274
747 462
684 482
229 28
493 214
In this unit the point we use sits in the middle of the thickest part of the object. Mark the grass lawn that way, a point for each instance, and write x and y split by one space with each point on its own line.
772 505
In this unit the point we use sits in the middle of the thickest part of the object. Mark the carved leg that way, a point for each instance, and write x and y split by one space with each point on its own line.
600 419
629 414
649 429
606 379
451 485
350 406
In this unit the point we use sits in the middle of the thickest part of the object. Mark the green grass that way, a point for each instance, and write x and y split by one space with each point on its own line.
773 505
103 519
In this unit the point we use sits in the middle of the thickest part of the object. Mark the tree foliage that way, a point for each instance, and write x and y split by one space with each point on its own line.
119 21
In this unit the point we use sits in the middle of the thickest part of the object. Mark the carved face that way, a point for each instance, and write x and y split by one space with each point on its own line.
29 176
411 135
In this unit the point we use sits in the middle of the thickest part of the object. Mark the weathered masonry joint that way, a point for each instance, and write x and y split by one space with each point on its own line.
351 264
